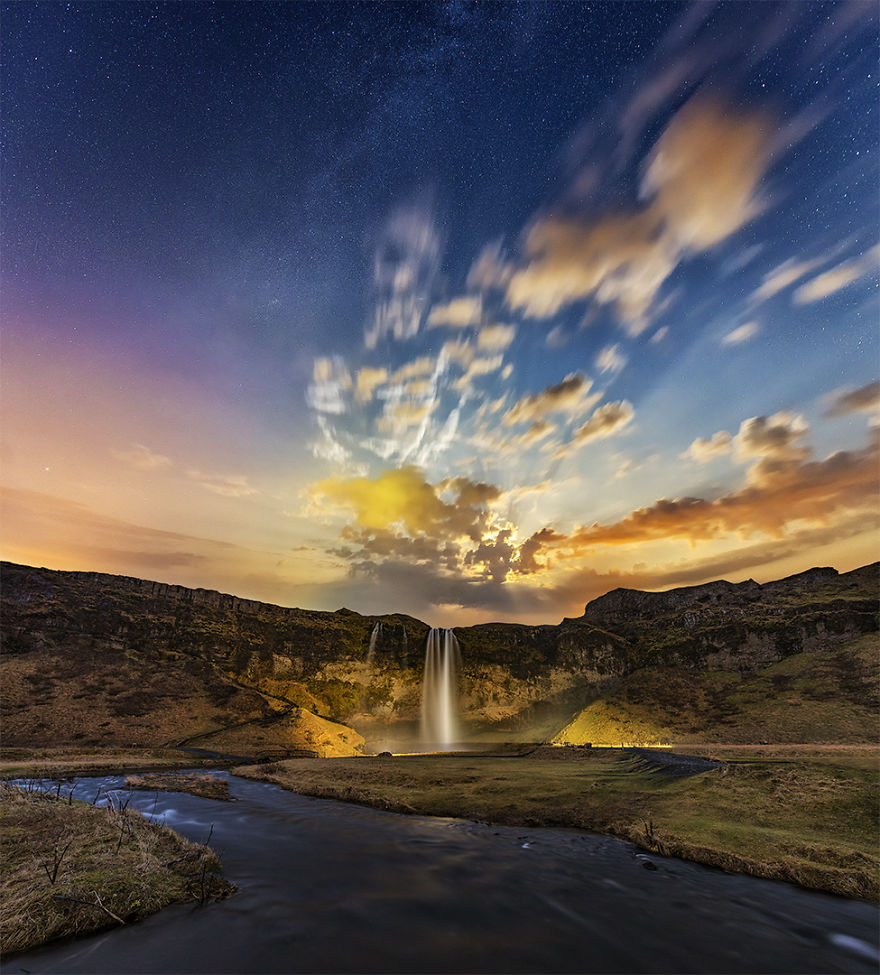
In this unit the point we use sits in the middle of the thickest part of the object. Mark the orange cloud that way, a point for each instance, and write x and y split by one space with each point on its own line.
702 183
787 493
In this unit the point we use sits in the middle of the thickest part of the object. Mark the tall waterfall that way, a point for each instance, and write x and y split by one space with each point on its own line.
440 690
374 639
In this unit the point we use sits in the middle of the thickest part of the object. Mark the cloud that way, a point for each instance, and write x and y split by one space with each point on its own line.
773 438
406 265
838 278
496 338
328 446
490 270
781 277
331 382
501 446
399 417
458 313
660 334
479 367
141 458
226 485
742 334
368 380
610 359
863 400
605 422
811 491
402 502
701 184
569 397
704 172
557 338
422 366
703 451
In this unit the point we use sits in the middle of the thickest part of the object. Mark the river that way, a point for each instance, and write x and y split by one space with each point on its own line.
329 887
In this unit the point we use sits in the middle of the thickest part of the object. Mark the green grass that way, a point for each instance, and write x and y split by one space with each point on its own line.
69 868
808 822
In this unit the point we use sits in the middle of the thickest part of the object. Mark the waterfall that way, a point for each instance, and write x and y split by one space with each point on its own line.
440 690
374 639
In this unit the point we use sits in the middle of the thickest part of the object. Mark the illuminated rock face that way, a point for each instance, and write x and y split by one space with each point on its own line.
440 690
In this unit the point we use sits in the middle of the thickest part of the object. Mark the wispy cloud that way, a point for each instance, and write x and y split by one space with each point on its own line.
837 278
608 419
226 485
847 401
406 265
141 458
571 396
610 359
741 334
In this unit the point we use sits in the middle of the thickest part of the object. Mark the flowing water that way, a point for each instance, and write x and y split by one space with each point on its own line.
374 639
440 730
327 887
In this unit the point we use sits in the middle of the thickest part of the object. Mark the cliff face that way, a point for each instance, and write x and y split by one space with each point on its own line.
254 662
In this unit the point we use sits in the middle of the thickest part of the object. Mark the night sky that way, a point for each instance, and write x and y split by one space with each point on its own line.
467 310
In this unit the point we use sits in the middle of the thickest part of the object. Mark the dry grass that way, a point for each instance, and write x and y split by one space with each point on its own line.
206 786
48 763
811 823
69 868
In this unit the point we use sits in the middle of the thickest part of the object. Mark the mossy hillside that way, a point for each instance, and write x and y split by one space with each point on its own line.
823 696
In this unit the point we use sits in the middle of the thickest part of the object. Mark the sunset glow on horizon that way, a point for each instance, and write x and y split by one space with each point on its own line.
466 311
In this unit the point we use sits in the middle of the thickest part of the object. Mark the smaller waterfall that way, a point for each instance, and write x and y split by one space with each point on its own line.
374 639
440 690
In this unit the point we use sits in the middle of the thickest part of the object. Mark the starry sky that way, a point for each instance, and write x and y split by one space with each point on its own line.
471 311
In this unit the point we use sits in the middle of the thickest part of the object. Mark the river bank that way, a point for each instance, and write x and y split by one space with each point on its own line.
330 887
807 820
71 867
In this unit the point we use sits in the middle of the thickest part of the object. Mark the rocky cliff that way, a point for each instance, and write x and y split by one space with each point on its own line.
130 660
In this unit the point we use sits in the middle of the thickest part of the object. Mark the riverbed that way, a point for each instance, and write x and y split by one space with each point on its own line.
329 887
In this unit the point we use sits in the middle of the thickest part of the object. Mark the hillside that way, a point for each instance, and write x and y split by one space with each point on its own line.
89 658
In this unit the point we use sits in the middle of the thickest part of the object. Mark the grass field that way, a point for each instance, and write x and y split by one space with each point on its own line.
72 868
789 816
50 763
